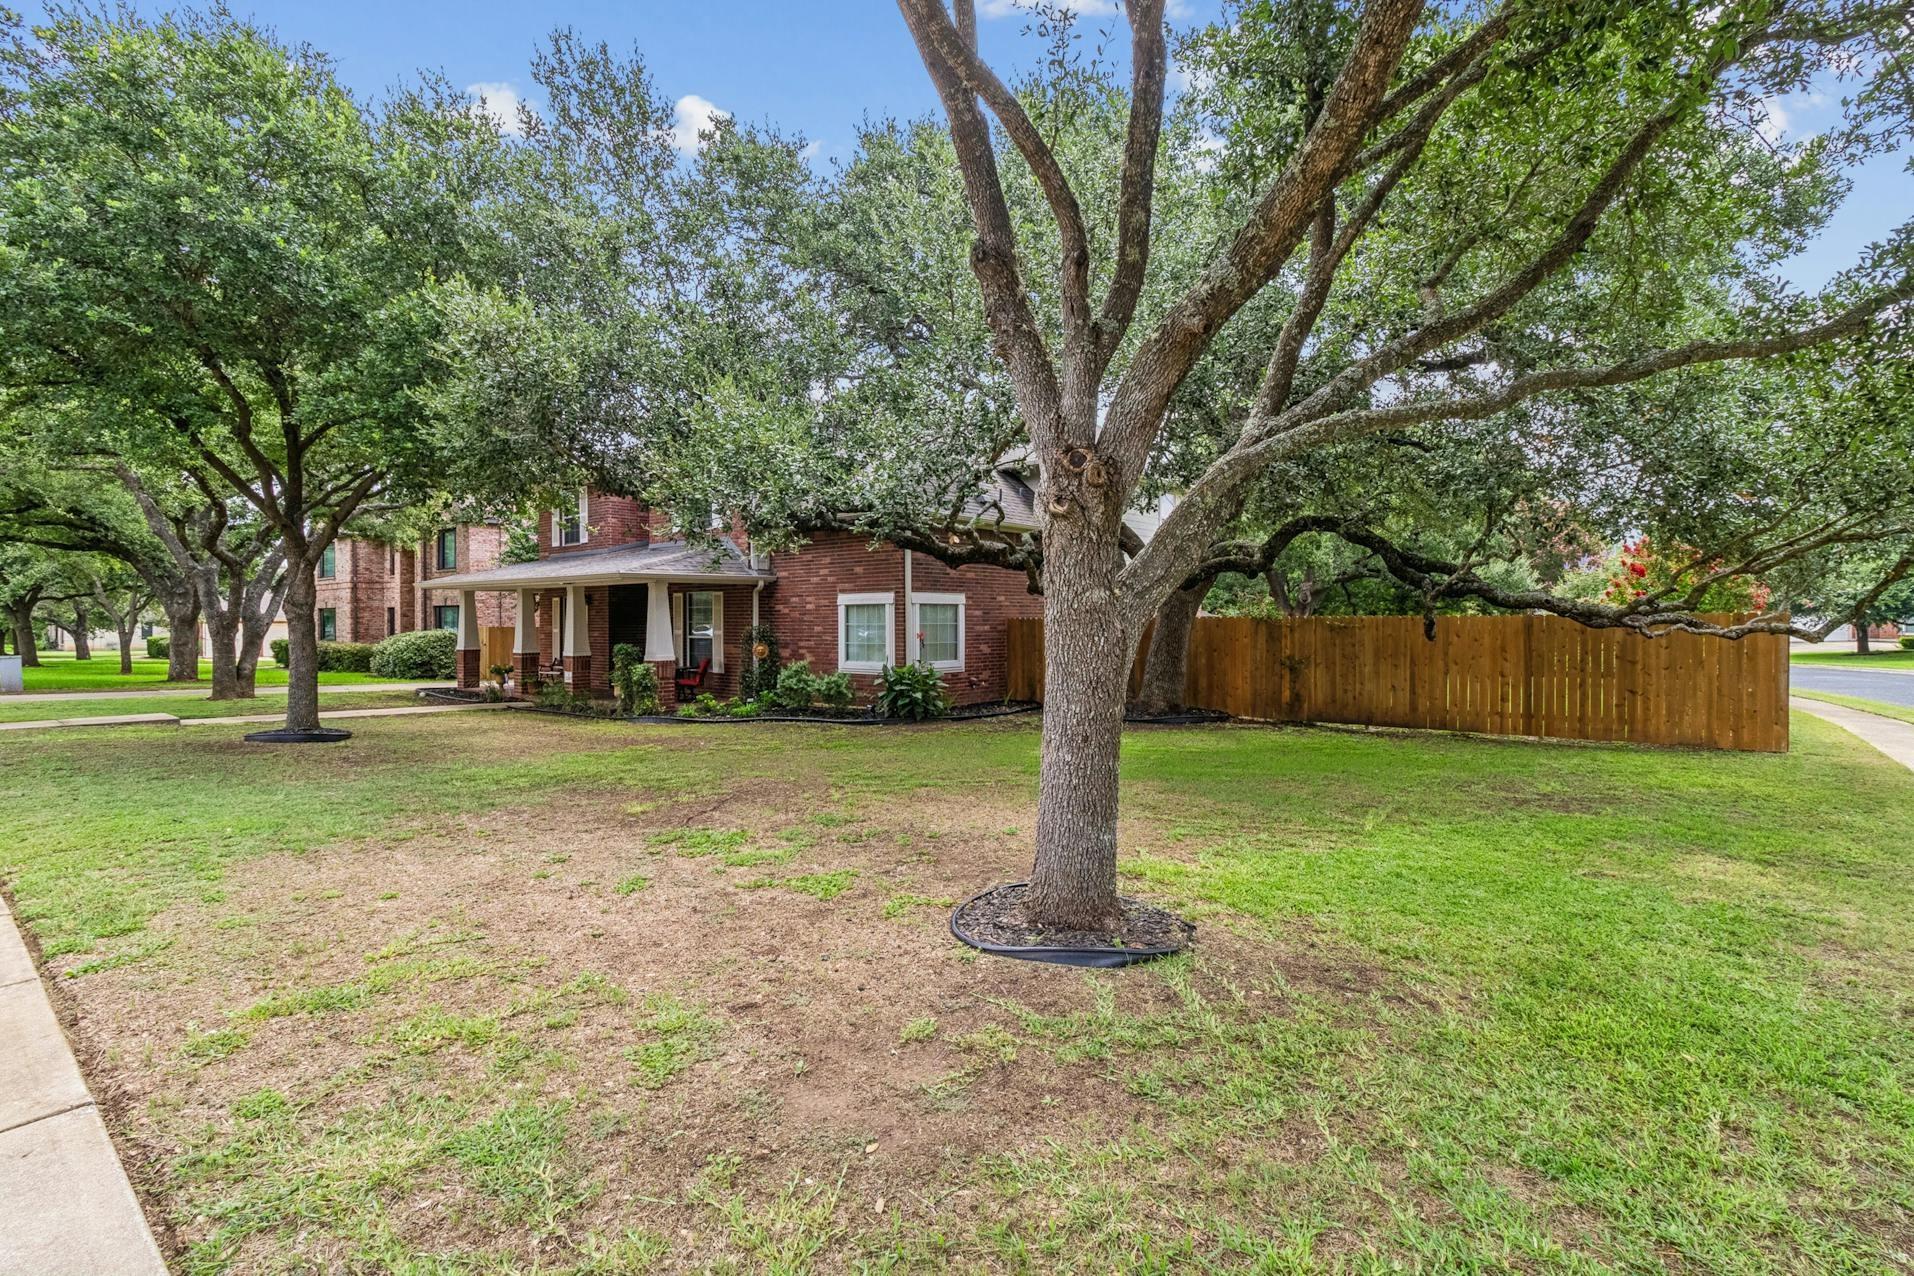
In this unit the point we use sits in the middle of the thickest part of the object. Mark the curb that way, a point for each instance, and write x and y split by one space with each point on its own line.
67 1207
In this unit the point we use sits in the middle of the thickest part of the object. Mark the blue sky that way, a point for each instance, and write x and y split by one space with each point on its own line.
812 66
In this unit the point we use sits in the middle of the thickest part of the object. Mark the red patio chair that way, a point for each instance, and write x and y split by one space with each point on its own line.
688 680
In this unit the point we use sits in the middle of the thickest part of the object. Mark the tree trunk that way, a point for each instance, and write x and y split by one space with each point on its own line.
1860 638
24 643
126 631
222 640
182 640
82 625
1087 664
1166 669
302 647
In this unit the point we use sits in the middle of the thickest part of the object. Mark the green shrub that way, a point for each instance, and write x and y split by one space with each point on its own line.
345 657
635 681
760 676
834 689
912 692
556 695
424 653
1907 641
280 646
159 648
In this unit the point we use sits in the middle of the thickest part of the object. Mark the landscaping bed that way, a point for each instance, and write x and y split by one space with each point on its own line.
495 992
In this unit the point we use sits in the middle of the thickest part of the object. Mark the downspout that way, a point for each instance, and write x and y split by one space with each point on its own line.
910 656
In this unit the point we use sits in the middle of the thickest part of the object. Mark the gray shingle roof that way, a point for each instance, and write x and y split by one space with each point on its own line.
669 560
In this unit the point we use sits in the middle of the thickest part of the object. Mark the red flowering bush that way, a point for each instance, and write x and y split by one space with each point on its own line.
1642 568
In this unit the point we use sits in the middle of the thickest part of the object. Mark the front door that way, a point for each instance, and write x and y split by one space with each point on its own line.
628 615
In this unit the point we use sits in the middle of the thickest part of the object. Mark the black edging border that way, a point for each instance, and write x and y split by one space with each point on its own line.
318 735
672 719
1057 955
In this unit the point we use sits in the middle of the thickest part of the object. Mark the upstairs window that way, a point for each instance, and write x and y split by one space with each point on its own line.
568 523
448 548
328 562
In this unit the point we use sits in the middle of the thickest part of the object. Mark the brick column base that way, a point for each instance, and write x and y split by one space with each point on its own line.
667 690
469 668
524 671
580 667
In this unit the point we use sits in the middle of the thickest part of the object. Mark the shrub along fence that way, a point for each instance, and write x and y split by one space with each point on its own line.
1502 675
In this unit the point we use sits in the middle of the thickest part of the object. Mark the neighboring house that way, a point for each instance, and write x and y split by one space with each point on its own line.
369 590
611 571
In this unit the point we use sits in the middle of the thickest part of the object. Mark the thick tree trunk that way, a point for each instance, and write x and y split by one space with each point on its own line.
25 645
1860 638
1087 664
1166 669
126 632
82 625
302 648
182 637
222 638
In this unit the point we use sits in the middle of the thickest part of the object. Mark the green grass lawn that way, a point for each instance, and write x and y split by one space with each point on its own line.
1886 710
191 707
59 671
1891 657
503 992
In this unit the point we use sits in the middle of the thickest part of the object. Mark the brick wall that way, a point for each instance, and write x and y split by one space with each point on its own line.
479 547
609 520
802 608
371 576
364 583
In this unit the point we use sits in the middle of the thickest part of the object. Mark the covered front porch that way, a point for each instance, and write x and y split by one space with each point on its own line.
686 609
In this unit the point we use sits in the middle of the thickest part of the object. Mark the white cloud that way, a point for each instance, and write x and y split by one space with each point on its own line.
693 115
500 101
1780 116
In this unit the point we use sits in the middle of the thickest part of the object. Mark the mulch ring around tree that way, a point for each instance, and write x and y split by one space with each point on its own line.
995 922
1181 718
311 735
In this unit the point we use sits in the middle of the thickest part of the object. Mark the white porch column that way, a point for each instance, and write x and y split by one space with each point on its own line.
525 631
577 637
466 660
658 644
468 620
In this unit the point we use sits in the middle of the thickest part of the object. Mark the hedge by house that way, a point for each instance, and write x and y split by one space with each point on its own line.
423 653
345 657
159 648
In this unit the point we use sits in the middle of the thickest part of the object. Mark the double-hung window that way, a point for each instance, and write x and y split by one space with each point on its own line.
937 630
328 624
444 617
702 634
864 629
568 522
448 555
328 562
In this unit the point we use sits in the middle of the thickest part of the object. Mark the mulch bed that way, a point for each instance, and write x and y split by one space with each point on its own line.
1184 718
995 922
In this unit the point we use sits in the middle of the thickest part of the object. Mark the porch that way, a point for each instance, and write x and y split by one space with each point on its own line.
683 607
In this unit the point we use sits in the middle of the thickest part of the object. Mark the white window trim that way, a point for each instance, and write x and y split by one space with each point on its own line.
889 602
584 523
681 639
917 627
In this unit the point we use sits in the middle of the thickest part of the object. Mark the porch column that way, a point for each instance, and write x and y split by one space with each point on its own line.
659 652
577 639
525 642
468 645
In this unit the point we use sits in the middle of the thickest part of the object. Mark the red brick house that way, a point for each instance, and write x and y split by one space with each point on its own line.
612 571
370 590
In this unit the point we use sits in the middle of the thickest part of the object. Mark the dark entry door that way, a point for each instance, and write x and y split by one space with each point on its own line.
628 615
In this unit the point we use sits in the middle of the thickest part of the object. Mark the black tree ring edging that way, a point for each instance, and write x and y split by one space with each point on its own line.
317 735
1099 956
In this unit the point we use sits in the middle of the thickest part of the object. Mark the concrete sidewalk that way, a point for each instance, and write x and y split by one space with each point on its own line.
1890 735
66 1206
243 719
134 693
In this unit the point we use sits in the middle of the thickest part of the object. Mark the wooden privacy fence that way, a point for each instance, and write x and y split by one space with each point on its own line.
495 647
1503 675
